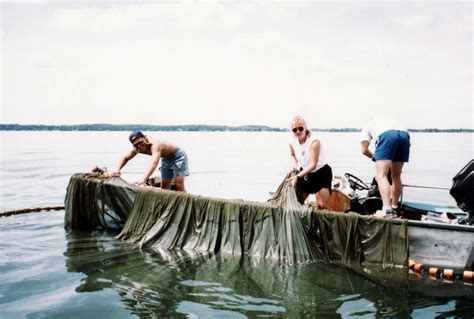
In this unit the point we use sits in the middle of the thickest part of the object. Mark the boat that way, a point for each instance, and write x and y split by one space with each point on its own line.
439 236
281 228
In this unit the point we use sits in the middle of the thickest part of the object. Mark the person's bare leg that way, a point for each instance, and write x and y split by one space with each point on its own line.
396 182
322 198
166 183
381 171
179 183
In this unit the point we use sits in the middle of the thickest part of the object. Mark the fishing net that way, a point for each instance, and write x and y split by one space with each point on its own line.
281 228
93 201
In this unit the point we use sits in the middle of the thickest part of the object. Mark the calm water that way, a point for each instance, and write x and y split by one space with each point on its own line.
46 272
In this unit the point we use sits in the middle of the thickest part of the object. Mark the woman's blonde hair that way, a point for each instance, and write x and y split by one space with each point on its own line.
299 118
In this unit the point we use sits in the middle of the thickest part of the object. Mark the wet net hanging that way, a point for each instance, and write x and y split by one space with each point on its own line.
280 228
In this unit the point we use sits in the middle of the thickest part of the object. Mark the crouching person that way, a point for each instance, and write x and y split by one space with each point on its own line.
174 161
314 174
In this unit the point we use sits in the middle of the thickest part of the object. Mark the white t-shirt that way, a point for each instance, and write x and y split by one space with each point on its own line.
377 126
303 153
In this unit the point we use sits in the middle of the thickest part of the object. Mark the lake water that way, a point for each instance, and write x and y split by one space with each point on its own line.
46 272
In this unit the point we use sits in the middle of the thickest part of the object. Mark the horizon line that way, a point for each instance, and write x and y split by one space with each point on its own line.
193 127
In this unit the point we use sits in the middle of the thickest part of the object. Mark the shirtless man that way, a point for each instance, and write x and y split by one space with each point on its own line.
174 164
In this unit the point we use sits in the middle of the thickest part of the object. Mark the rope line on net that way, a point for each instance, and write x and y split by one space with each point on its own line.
418 186
427 187
20 211
446 274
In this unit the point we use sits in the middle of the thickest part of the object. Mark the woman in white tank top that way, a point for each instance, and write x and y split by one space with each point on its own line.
315 175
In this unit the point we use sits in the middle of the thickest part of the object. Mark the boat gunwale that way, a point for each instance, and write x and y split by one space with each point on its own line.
422 224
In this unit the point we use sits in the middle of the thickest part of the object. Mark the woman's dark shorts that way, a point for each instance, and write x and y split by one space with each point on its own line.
315 181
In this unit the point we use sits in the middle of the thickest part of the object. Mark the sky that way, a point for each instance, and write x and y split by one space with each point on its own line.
237 62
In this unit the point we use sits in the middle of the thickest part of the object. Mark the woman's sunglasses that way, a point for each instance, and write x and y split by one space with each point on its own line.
299 128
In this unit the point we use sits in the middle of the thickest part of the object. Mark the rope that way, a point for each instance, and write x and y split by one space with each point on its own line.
429 187
418 186
19 211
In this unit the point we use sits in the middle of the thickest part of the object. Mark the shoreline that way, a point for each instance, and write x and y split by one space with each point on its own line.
195 128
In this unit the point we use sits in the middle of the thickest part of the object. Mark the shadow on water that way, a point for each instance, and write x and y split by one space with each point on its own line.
154 283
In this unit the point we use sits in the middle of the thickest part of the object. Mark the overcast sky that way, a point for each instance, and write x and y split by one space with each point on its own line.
237 62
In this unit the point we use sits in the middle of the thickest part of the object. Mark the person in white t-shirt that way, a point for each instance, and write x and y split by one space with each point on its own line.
392 150
307 152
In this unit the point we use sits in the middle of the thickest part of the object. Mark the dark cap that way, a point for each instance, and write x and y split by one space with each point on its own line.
134 135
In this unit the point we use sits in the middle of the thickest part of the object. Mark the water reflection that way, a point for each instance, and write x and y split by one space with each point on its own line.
182 283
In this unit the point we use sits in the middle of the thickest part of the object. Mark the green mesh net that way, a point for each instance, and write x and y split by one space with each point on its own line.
280 228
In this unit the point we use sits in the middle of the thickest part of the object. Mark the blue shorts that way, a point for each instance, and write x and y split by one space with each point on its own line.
177 165
393 145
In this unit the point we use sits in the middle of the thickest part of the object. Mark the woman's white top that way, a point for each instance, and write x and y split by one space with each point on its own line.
377 125
303 152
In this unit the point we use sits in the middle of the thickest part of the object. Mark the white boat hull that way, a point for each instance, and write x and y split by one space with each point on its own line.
441 245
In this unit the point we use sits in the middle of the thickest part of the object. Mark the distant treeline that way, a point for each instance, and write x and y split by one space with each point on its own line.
448 130
190 128
132 127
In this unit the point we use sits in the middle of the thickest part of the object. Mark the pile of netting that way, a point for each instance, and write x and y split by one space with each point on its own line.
281 228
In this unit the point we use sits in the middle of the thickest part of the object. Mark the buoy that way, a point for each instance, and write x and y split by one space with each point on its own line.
27 210
468 275
419 267
37 209
411 263
434 272
8 213
448 274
